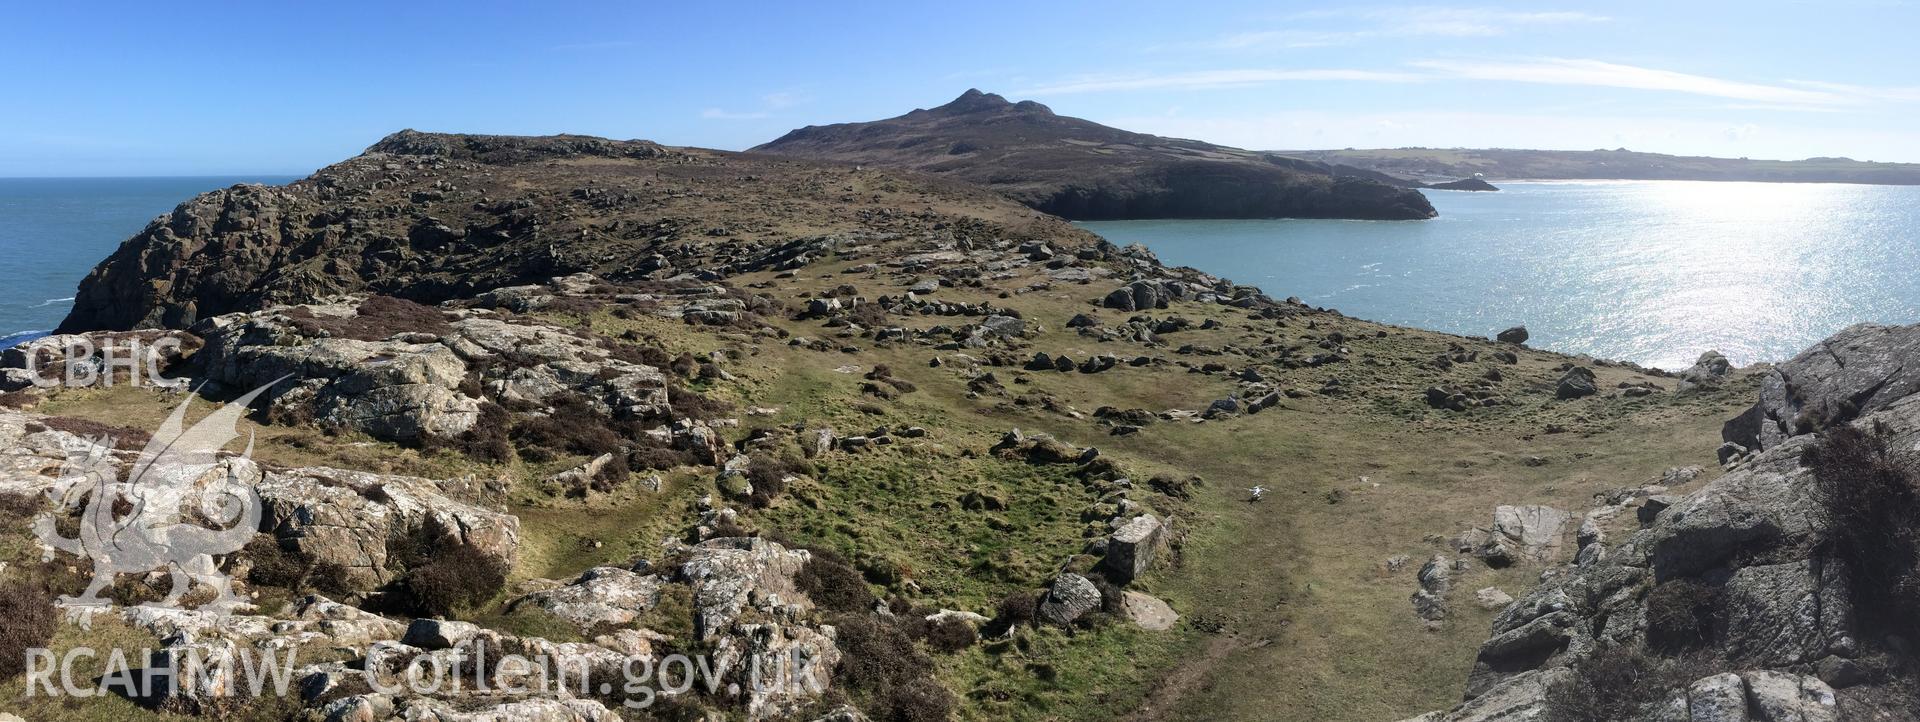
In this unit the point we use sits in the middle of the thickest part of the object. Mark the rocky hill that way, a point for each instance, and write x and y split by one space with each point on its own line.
431 217
1082 170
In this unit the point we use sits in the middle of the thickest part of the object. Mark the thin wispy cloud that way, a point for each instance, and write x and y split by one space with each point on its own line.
769 103
1358 26
1211 79
782 99
1596 73
1909 93
723 114
1791 95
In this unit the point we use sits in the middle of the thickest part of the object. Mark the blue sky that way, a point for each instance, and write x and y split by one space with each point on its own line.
152 89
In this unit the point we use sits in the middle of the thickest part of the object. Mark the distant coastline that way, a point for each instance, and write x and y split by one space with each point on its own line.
1428 165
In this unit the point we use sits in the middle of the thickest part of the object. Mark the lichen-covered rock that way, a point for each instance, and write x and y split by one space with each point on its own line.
733 575
352 519
601 595
1526 533
1068 598
1132 548
414 384
348 520
1861 369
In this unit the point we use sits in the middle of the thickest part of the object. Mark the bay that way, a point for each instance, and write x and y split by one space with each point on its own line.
1654 272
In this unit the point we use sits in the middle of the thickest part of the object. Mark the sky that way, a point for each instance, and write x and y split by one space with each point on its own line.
108 89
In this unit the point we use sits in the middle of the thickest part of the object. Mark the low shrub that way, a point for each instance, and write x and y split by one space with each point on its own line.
125 438
1616 683
768 475
1680 614
277 566
1871 506
459 577
15 506
1015 609
880 663
919 700
378 319
689 405
833 584
950 635
573 426
650 454
683 365
1167 484
441 574
487 440
30 622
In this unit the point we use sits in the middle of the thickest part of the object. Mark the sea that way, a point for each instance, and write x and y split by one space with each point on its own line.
53 231
1653 272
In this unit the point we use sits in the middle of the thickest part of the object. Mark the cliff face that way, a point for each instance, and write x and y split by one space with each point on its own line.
431 217
1082 170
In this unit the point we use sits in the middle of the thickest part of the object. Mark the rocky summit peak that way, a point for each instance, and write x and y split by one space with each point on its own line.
977 101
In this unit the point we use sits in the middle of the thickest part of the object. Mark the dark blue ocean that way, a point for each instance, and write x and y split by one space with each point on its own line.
53 230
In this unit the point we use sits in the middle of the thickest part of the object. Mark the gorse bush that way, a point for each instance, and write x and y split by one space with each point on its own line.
1617 683
574 426
833 584
1680 614
880 664
441 573
487 441
1871 506
276 566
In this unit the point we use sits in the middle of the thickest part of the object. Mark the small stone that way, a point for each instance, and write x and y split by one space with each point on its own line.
1492 598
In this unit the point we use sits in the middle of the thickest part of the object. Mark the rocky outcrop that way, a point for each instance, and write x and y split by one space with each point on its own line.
348 520
1086 171
1739 568
355 521
1464 184
601 595
140 358
1857 371
412 384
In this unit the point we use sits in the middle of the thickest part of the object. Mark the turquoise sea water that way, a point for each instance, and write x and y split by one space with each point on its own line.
1648 271
53 230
